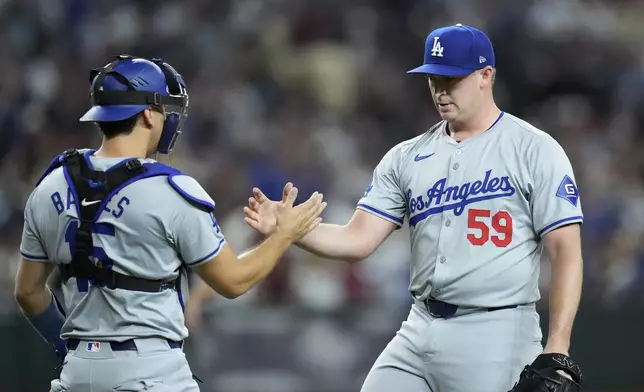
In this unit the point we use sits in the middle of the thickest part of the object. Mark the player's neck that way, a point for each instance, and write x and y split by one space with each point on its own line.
121 147
477 124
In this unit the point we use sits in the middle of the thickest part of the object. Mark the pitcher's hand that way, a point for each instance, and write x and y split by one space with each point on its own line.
296 222
261 213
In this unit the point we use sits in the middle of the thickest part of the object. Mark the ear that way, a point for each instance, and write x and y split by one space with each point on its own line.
487 76
147 117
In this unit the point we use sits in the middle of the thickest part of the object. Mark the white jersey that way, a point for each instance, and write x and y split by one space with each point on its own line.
477 209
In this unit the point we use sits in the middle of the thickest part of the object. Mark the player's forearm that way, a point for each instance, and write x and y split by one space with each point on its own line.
254 265
33 302
40 309
335 242
565 293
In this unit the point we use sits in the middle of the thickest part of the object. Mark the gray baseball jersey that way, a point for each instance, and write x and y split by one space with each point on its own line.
148 229
477 209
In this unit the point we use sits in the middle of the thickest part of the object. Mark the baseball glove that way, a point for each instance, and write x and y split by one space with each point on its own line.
542 376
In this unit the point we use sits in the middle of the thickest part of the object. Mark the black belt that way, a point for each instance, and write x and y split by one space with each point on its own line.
127 345
442 309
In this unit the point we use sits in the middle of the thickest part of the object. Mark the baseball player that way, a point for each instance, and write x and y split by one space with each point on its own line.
120 229
485 194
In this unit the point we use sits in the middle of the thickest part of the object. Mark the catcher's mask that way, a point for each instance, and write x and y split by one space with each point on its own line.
129 85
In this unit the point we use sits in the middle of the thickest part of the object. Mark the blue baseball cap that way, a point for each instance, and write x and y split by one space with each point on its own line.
456 50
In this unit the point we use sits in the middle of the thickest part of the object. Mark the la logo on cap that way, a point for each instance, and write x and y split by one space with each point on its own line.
437 49
468 49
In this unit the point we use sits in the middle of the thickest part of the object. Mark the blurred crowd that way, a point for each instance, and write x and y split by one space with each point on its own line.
315 92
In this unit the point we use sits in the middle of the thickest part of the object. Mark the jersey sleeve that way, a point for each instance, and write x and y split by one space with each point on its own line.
555 198
384 196
196 233
31 247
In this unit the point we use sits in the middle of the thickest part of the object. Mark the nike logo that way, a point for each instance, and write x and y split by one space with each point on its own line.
421 157
86 203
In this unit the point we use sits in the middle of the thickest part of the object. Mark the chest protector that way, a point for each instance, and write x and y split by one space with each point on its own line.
92 190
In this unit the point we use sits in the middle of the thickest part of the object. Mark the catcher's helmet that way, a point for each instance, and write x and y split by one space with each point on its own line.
129 85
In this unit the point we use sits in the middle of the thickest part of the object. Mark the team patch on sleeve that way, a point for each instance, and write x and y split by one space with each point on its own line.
369 188
568 191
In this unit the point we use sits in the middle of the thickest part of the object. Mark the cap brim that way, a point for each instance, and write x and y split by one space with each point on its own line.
112 113
442 70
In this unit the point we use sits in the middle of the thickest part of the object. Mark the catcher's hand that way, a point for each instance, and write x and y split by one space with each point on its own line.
542 375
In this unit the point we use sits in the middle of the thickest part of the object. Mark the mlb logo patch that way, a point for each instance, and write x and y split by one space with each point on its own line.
94 347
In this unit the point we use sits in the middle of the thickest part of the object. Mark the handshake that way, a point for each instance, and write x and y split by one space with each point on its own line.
281 217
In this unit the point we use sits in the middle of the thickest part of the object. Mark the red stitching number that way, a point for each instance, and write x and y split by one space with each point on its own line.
501 223
472 223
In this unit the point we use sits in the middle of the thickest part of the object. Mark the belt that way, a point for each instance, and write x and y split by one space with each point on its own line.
442 309
127 345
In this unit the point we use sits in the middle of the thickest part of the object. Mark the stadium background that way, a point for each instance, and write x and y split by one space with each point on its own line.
315 92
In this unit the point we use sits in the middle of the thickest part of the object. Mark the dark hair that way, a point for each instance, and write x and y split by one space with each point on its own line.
123 127
111 129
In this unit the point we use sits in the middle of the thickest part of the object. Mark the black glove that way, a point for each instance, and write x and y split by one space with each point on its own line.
542 376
